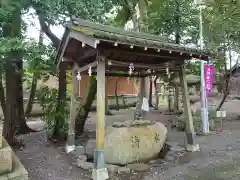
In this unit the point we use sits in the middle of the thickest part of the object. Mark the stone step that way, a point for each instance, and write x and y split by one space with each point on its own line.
5 158
18 172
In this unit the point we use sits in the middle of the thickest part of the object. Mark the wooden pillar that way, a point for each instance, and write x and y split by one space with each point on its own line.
176 99
100 171
73 110
150 92
107 110
189 134
62 95
156 93
169 98
163 91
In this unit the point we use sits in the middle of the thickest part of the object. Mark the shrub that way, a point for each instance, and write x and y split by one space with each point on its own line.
48 99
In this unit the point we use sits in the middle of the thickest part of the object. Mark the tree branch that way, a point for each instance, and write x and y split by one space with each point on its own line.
45 28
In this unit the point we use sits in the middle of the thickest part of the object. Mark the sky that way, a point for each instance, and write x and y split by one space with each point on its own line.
33 29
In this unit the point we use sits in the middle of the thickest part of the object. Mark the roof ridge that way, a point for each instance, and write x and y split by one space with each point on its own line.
118 30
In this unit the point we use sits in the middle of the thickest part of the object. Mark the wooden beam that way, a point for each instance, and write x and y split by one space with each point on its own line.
86 67
60 58
177 53
73 110
139 65
84 39
190 143
161 57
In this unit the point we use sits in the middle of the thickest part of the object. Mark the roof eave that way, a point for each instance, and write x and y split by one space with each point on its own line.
62 47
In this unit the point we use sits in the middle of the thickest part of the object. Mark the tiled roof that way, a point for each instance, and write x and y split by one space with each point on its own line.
119 35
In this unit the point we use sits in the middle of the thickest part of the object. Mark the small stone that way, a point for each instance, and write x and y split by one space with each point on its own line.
112 169
82 158
80 150
138 167
157 162
89 147
84 165
170 158
123 170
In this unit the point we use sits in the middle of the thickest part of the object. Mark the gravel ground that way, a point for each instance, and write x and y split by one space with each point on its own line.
218 159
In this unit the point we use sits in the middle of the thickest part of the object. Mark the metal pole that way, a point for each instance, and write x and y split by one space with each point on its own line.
204 107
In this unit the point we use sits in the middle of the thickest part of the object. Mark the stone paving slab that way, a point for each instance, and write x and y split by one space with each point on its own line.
19 172
10 166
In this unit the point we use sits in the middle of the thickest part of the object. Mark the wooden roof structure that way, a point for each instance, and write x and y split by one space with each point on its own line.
83 41
235 69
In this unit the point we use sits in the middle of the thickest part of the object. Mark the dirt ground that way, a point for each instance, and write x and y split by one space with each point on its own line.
218 159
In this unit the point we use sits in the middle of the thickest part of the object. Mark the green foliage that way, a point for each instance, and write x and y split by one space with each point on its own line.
60 11
48 99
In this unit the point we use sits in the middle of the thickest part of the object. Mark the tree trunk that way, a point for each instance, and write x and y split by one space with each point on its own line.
116 95
62 91
226 92
9 126
223 100
15 58
139 113
34 83
142 26
85 108
227 88
2 96
133 12
21 120
177 39
31 96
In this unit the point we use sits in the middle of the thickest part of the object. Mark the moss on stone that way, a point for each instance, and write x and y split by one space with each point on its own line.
138 123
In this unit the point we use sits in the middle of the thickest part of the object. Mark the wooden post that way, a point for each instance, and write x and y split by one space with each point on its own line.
176 99
100 171
156 93
190 134
169 98
73 110
107 109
